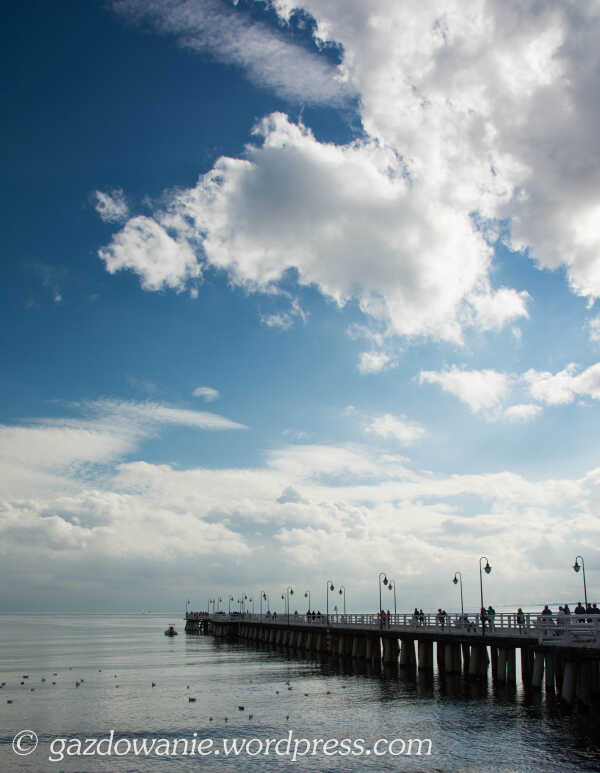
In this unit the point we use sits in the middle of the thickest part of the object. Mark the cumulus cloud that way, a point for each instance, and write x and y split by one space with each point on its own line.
208 394
145 247
112 207
399 428
522 411
346 218
475 114
563 387
481 390
489 104
374 362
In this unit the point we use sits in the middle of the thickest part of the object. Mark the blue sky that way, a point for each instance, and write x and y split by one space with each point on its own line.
365 235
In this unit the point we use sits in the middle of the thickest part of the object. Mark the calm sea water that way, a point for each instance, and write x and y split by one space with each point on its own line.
472 727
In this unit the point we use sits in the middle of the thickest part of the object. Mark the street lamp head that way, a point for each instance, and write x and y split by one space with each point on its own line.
291 591
487 569
576 566
340 591
455 580
306 595
385 580
331 587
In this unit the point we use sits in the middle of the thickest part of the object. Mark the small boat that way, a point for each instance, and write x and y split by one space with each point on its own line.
171 631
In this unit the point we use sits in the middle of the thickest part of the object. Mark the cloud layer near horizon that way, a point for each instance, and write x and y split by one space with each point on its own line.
308 510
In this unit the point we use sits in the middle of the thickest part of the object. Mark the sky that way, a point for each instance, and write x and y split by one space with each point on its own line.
297 294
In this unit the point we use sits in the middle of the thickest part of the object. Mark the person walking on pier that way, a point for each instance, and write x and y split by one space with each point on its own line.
441 618
491 614
520 619
579 609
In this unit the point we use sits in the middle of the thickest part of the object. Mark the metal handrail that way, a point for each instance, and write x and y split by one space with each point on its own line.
530 623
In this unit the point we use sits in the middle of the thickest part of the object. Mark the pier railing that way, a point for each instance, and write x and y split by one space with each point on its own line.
560 630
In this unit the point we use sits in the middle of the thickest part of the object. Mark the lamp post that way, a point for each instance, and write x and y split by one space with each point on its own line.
187 606
329 587
230 599
219 604
307 596
576 568
264 596
289 591
385 582
392 586
343 591
455 581
487 569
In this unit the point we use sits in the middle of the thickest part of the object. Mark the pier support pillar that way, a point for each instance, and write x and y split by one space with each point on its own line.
501 669
440 653
583 690
569 682
511 665
550 672
466 656
407 652
359 647
538 669
425 655
390 650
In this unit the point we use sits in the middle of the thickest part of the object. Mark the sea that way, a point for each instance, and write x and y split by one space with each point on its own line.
91 693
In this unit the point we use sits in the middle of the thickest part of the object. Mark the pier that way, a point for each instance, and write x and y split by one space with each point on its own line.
562 653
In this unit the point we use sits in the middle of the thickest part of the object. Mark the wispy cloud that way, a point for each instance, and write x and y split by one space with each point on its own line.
208 394
112 207
399 428
268 57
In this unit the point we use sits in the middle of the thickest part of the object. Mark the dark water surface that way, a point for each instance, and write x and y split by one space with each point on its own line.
472 727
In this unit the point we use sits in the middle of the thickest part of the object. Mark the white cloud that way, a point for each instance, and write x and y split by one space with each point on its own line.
208 394
489 104
268 56
374 362
476 113
345 217
146 248
112 207
43 452
310 509
481 390
397 427
522 411
562 387
594 329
